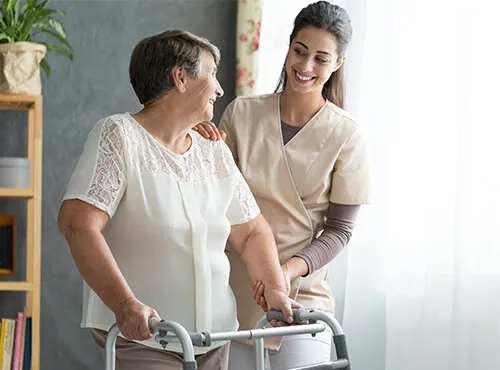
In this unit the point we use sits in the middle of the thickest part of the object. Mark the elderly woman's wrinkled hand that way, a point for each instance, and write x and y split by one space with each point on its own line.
258 288
132 318
209 131
278 300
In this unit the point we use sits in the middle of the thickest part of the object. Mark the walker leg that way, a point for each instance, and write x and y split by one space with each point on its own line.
259 354
110 347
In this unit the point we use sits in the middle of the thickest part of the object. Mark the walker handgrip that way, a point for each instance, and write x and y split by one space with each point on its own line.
278 315
153 324
341 348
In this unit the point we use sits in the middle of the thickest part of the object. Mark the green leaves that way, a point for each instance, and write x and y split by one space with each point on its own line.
33 19
3 37
60 38
58 49
45 67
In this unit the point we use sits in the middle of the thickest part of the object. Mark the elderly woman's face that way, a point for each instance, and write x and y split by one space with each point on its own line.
205 89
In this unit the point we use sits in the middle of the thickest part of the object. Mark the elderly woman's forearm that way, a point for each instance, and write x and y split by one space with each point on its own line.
261 258
97 266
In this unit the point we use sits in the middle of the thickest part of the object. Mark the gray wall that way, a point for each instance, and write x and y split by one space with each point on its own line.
77 94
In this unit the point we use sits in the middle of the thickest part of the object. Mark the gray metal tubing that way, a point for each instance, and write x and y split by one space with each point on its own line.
325 317
300 315
253 333
183 336
339 364
250 334
259 342
262 322
259 354
270 332
154 326
110 347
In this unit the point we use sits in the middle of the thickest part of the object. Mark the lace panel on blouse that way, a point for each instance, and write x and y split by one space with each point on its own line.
109 173
125 143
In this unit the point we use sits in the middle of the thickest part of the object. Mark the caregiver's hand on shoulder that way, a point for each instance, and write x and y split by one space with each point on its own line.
132 318
209 131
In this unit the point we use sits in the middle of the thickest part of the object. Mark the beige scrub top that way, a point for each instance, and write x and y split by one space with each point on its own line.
327 161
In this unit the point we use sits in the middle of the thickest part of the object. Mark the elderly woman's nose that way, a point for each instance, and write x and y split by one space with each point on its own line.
219 91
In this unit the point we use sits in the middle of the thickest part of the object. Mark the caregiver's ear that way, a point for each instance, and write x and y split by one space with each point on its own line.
339 63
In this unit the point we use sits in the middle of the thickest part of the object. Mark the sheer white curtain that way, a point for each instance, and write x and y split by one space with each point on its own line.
423 269
423 287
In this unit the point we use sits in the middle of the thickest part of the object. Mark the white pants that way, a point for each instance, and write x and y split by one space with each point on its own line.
296 350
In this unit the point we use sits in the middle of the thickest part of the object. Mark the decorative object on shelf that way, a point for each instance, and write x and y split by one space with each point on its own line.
22 53
15 172
7 245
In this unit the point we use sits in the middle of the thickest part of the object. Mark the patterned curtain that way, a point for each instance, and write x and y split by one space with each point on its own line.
247 45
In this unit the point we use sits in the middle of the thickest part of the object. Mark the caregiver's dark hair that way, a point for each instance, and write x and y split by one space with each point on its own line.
334 19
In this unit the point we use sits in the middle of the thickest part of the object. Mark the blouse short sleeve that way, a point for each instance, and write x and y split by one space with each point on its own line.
243 206
100 174
351 180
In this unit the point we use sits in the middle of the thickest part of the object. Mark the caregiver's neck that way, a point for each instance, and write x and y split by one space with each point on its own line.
297 109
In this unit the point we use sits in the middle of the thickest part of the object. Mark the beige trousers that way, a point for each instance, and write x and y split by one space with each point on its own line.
135 356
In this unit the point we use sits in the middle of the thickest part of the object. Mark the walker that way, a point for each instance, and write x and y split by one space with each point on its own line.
188 340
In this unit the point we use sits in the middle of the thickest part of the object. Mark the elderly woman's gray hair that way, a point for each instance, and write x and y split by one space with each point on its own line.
154 58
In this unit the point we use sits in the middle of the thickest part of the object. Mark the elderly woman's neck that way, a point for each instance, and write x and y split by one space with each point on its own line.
168 124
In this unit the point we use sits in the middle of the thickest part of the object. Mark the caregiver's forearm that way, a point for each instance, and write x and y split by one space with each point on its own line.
336 235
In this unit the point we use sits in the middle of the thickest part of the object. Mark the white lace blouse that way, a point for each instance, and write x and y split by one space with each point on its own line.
170 217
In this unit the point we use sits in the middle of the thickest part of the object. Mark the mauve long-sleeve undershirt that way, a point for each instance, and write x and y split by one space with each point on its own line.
338 228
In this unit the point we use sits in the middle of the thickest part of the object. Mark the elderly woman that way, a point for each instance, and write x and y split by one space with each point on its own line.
150 207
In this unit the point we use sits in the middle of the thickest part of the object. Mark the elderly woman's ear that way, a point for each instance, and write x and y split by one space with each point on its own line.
179 77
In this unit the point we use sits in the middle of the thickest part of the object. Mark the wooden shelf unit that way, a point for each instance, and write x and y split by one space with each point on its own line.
16 193
16 286
33 105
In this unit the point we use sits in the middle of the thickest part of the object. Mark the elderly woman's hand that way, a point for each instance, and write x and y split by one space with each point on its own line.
279 300
209 131
258 287
132 318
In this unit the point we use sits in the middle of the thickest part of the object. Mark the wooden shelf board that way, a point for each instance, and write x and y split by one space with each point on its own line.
15 193
20 286
17 101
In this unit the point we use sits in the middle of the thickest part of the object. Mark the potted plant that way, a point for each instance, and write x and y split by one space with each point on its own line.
22 50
